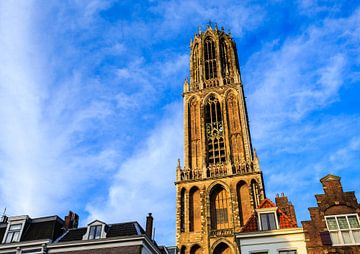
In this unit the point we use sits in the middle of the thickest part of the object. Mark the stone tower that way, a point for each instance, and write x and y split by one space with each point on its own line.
220 183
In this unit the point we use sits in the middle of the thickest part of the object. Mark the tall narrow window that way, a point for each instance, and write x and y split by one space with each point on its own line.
194 210
210 59
182 210
195 67
214 131
255 193
219 208
194 133
244 203
234 124
225 60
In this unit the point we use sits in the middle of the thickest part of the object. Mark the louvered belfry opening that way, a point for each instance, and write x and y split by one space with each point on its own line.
214 131
210 59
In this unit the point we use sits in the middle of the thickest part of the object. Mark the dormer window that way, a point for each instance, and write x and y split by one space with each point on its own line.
267 219
14 228
95 232
13 234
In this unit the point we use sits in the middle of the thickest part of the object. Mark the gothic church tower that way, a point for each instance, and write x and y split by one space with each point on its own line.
220 183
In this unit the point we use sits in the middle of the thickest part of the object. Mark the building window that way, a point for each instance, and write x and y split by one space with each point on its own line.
287 252
210 59
182 210
214 131
268 221
13 234
95 232
219 208
344 229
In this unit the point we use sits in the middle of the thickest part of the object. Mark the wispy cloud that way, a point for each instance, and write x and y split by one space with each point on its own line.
145 181
89 100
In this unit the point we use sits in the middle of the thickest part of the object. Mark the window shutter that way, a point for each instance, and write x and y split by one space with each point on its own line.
325 238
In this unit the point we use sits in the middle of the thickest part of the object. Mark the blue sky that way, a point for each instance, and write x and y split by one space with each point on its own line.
91 106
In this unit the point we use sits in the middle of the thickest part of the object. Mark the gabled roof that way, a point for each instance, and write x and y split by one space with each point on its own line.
330 177
284 221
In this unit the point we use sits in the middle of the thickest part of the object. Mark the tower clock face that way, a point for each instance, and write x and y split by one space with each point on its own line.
214 130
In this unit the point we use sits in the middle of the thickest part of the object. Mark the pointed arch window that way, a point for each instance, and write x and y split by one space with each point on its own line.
182 210
214 131
219 208
210 59
195 67
225 58
255 193
194 210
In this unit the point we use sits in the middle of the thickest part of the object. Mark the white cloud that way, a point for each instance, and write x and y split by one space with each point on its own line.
304 74
42 125
144 181
176 15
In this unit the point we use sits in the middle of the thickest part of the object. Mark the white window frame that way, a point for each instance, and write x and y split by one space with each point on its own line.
15 220
273 210
338 230
94 224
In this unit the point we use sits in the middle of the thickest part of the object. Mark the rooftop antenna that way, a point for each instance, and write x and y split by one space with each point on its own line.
4 217
153 238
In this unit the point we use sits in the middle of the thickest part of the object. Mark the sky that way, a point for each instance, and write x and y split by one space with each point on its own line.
91 116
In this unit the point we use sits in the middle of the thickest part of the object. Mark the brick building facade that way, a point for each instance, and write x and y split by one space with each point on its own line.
334 226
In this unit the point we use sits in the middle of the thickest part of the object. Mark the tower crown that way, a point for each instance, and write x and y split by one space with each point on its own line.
213 60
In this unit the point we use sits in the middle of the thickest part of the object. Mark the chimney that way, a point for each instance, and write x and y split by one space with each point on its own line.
149 225
286 206
71 220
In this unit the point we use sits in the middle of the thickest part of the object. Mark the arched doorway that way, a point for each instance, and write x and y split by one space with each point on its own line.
196 249
222 248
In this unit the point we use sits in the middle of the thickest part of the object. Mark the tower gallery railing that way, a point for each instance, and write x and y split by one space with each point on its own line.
217 170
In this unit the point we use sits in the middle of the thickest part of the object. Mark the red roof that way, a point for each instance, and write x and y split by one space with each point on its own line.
285 222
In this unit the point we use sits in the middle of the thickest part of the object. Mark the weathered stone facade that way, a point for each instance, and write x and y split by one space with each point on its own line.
220 183
333 204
